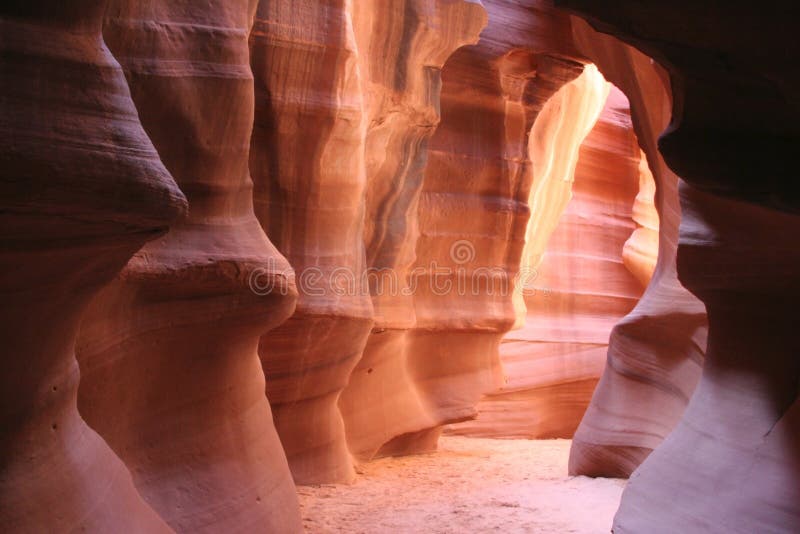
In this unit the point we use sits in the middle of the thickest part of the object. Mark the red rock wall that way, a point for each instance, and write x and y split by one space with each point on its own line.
655 353
351 174
731 463
307 160
82 189
473 208
403 45
369 102
170 374
640 253
579 287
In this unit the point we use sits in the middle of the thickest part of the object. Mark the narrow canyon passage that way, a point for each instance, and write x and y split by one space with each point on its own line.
590 250
408 266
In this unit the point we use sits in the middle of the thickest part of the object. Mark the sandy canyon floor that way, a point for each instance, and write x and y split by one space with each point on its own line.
469 486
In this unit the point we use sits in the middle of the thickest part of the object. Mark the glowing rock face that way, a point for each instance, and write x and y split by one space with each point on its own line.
404 46
731 462
307 160
473 209
578 285
358 166
641 250
555 144
362 90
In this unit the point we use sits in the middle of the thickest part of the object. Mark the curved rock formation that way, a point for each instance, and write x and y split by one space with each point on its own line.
655 353
732 463
404 45
369 104
82 189
307 160
170 373
578 287
555 148
640 253
473 209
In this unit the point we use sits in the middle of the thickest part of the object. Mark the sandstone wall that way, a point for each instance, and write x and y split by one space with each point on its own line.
579 287
170 374
655 353
384 137
404 47
473 209
731 463
82 189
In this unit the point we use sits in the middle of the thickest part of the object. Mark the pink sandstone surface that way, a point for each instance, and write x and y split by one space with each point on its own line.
169 368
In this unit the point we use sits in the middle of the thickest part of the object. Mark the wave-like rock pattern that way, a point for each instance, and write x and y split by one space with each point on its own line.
404 46
640 253
81 189
656 352
474 207
578 285
170 373
732 463
368 100
307 161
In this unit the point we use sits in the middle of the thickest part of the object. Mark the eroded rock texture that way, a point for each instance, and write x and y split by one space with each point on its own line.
406 220
732 463
581 203
403 47
474 205
655 353
640 253
82 189
308 166
368 105
170 373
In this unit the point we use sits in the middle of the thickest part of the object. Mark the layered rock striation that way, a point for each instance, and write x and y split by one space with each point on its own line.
307 160
474 205
731 463
403 48
168 352
578 287
81 189
369 101
655 353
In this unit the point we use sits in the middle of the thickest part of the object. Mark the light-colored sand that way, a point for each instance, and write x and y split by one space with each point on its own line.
470 486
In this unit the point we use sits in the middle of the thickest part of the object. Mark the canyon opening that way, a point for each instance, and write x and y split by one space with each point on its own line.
410 266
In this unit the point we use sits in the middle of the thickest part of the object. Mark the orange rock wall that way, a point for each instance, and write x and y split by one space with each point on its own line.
385 137
404 48
473 210
579 287
307 160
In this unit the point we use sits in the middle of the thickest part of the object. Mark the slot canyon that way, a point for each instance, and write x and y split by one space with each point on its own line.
400 266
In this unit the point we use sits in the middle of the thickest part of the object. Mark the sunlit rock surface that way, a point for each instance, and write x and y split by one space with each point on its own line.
640 253
307 161
387 138
473 210
170 375
578 286
403 47
363 88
